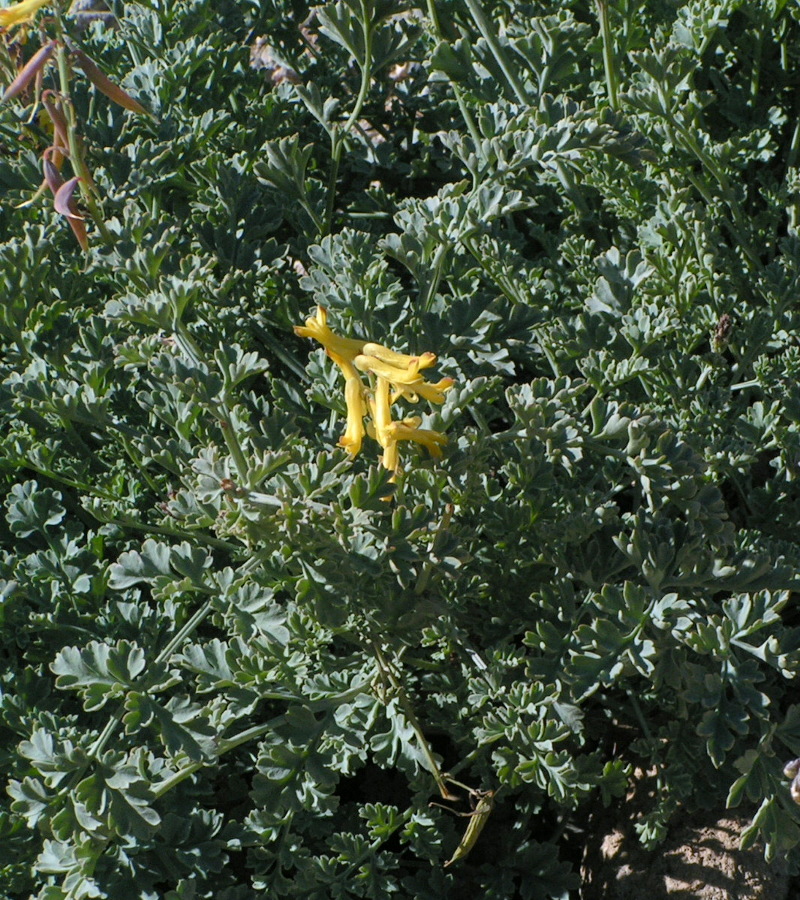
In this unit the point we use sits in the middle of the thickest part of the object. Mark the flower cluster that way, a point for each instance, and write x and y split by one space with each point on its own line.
391 376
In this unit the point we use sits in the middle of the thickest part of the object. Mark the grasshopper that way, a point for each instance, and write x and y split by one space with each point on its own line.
477 820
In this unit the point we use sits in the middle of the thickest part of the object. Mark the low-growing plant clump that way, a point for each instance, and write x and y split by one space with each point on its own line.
519 522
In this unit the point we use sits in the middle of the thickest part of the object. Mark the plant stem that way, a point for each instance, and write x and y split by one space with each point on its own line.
466 115
568 183
710 164
191 625
435 276
76 155
609 62
111 725
640 718
375 845
62 479
224 746
485 28
340 134
410 715
192 536
186 343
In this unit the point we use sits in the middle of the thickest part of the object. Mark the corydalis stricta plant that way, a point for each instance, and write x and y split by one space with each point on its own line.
391 376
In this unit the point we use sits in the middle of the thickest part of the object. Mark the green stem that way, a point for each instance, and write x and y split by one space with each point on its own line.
375 846
466 115
190 626
609 62
191 536
465 763
234 447
637 711
411 717
111 725
755 75
436 276
485 28
139 465
103 738
793 208
70 429
224 746
710 164
427 569
76 155
319 223
794 144
62 479
705 192
497 277
336 155
187 345
340 134
567 181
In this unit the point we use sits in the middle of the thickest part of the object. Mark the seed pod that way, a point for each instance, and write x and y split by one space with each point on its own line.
56 183
57 117
794 789
63 201
791 769
29 71
105 85
478 819
51 175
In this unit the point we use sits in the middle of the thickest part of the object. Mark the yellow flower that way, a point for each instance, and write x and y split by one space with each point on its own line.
380 410
317 328
433 393
381 413
399 360
392 376
20 13
409 430
356 408
406 382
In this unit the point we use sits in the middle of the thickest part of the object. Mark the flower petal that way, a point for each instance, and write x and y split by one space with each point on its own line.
356 410
393 374
317 328
399 360
433 393
20 13
407 431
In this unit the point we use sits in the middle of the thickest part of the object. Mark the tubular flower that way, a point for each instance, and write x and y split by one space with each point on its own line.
317 328
399 360
356 408
433 393
381 411
20 13
409 430
392 376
